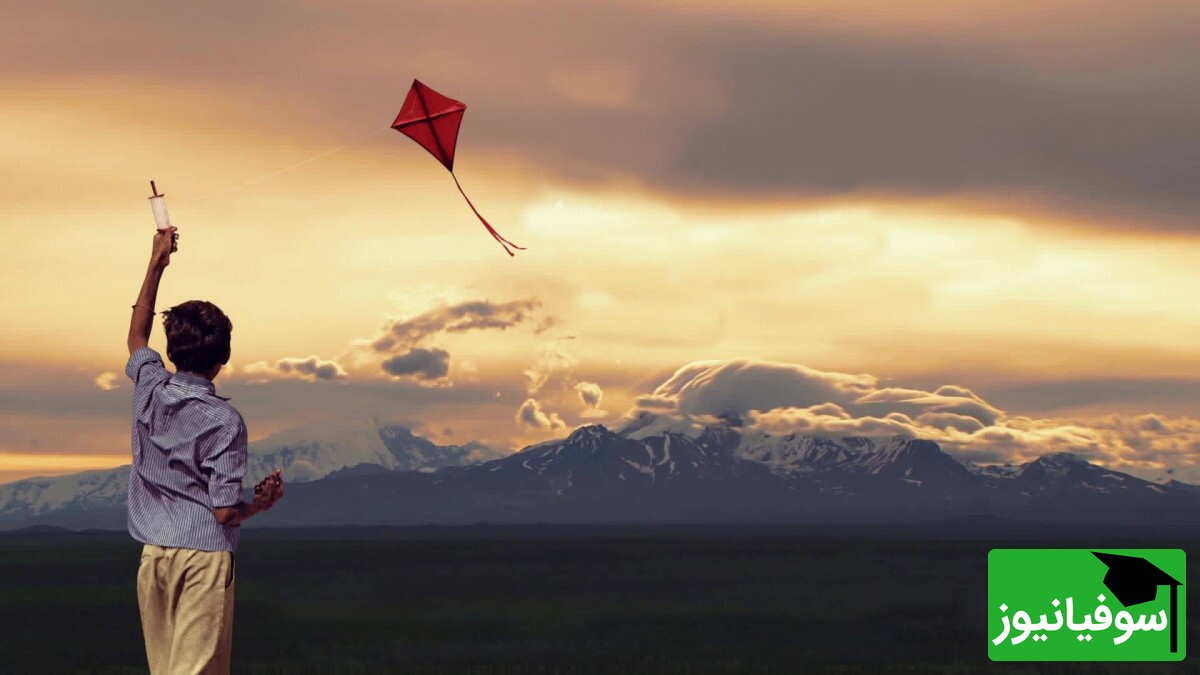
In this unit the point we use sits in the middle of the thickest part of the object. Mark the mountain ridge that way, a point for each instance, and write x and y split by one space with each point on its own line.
650 471
305 453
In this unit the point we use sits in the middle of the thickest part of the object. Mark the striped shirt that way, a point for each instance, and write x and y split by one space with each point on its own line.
189 457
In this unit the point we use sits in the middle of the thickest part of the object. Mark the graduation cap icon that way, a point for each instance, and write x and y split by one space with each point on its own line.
1136 580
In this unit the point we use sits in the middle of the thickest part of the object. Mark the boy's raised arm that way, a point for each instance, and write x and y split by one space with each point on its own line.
143 309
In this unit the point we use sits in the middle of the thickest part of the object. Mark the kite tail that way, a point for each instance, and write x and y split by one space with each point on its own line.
492 230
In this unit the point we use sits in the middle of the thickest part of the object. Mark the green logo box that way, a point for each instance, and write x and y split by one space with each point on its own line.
1086 604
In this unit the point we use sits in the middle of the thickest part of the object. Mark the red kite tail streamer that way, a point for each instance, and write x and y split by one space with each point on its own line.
489 227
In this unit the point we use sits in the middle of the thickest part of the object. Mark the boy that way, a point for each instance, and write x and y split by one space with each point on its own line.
185 485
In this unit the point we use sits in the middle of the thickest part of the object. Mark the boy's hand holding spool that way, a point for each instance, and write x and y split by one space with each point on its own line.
165 239
164 246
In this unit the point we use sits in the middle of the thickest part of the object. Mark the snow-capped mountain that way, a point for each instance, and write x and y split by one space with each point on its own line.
1065 474
648 470
316 450
796 454
856 464
851 463
86 490
833 462
305 453
593 457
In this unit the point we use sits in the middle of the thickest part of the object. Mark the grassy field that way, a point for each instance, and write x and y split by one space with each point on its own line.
507 602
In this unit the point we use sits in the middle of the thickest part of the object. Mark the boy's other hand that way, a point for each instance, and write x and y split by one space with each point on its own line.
269 490
164 246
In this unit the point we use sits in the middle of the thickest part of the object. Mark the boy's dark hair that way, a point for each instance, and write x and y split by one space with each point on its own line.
198 335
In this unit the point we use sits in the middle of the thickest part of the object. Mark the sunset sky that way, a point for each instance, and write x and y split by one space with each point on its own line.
972 222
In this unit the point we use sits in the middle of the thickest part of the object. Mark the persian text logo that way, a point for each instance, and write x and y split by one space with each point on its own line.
1092 605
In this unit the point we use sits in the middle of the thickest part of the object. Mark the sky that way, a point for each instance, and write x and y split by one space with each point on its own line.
969 222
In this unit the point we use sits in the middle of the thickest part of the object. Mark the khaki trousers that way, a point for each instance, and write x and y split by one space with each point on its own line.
186 602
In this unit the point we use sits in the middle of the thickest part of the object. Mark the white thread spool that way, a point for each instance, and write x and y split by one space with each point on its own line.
158 204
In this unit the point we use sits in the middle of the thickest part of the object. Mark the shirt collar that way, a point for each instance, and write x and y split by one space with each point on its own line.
190 381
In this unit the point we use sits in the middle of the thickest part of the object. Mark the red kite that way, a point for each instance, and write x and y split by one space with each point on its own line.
432 120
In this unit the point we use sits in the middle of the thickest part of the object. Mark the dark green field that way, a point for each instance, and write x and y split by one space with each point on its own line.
521 600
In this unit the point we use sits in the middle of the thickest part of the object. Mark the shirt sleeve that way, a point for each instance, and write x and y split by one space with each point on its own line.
145 367
225 466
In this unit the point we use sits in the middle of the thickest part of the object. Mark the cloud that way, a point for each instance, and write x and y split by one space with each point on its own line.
550 360
531 415
53 408
774 98
655 403
590 394
407 339
1069 393
961 403
939 119
459 318
425 364
311 368
737 386
399 340
780 398
545 325
107 381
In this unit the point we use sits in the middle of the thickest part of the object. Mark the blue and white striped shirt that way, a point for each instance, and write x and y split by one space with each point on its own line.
189 456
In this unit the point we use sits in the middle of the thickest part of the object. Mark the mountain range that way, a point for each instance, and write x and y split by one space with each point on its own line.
304 453
645 469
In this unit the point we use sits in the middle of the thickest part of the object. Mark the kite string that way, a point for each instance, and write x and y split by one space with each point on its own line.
297 165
